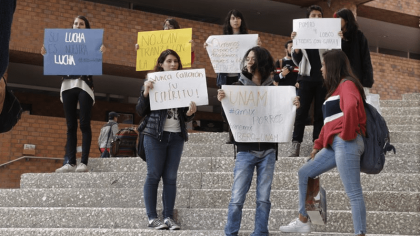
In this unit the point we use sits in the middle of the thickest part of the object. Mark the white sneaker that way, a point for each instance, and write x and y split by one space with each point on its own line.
82 168
66 168
296 226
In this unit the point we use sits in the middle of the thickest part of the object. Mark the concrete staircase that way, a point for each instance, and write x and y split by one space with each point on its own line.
109 199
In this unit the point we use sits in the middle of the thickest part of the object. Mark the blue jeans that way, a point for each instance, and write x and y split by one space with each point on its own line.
163 159
345 155
243 172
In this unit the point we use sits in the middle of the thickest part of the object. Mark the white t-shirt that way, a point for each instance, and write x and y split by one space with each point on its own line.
76 83
172 122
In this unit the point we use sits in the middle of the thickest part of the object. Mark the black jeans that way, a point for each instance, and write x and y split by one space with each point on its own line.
308 91
70 99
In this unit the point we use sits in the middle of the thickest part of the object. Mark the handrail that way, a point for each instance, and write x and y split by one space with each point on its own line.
30 157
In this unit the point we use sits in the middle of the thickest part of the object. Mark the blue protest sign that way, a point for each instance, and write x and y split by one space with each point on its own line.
73 51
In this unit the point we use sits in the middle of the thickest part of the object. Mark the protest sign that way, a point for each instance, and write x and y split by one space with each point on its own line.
227 51
260 113
73 51
153 43
317 33
173 89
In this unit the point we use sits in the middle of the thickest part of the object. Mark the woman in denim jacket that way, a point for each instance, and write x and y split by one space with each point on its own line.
164 136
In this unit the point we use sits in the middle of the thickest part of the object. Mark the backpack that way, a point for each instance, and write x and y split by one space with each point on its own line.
377 142
11 112
106 132
124 143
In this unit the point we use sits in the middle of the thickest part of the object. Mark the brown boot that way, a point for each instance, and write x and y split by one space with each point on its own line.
295 149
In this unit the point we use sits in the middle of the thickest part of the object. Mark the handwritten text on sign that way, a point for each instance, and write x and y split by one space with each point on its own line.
260 114
73 51
173 89
227 51
317 33
153 43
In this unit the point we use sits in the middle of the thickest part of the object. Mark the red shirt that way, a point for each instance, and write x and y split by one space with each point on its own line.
344 114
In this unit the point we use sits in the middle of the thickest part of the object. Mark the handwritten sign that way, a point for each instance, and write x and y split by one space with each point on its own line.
260 114
317 33
153 43
227 51
173 89
73 51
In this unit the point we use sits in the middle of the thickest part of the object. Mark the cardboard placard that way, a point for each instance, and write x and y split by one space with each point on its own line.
153 43
173 89
73 51
260 113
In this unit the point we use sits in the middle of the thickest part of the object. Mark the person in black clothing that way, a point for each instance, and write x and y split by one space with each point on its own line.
286 68
6 17
310 87
355 45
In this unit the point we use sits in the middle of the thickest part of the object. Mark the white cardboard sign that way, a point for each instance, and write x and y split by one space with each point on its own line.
227 51
260 113
173 89
317 33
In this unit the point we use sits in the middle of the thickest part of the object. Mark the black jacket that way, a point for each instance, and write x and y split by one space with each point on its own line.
357 51
154 121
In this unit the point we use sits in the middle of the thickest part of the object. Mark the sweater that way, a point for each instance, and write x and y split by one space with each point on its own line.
357 51
344 114
309 66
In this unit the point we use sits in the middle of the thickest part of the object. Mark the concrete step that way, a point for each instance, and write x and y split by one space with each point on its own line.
396 137
196 219
196 198
225 164
395 128
399 103
403 150
402 120
148 232
213 180
411 96
400 111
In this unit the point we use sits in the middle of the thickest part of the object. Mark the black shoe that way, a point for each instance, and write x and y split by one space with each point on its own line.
171 224
158 224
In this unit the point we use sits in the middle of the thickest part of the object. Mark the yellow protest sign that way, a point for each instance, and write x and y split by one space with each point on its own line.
153 43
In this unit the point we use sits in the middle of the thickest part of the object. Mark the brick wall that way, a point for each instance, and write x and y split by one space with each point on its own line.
120 27
410 7
49 136
395 76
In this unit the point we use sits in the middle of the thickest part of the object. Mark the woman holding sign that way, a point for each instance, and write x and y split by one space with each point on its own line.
257 67
340 143
77 92
164 135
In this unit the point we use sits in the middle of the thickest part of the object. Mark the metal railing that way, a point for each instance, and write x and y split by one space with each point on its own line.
29 157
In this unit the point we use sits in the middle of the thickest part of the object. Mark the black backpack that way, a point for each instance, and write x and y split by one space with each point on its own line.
11 112
377 142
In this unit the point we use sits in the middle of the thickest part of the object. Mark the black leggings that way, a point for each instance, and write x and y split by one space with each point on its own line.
308 91
70 99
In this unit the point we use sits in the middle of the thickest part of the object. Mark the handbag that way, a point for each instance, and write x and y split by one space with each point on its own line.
140 145
316 202
11 112
105 154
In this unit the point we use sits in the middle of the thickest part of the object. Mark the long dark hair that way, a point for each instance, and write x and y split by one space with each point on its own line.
172 22
227 28
85 20
264 63
338 67
162 59
351 24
